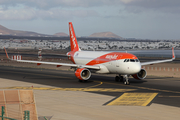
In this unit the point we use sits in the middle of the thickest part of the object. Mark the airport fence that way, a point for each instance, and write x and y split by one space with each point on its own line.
26 115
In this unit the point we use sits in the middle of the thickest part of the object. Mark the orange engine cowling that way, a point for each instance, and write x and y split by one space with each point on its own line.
82 73
140 75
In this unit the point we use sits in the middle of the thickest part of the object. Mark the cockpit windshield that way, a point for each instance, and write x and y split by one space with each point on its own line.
131 60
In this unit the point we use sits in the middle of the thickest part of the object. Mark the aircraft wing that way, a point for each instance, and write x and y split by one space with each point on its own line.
160 61
54 63
59 64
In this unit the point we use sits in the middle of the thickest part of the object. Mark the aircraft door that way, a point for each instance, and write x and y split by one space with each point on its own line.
116 63
114 66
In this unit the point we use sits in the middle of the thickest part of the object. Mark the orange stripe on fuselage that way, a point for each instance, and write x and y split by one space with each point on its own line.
111 57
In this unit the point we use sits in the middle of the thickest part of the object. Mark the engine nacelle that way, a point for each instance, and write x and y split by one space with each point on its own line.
141 75
82 73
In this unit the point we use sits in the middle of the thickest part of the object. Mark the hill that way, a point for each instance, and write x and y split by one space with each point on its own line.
6 31
105 35
61 34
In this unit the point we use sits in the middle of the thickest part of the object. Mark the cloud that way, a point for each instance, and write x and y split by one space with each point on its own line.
65 9
65 14
17 14
40 4
45 9
48 4
55 14
166 6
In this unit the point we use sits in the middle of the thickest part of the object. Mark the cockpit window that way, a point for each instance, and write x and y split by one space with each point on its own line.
137 60
132 60
126 60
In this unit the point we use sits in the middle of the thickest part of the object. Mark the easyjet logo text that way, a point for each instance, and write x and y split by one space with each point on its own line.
111 56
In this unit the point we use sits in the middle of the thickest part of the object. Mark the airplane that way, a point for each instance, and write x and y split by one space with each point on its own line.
122 64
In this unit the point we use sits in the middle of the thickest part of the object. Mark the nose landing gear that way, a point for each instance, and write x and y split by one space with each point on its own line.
126 80
123 78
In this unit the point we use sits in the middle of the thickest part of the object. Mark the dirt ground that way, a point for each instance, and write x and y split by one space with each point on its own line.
163 69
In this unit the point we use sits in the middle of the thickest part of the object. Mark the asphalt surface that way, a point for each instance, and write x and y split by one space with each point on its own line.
167 87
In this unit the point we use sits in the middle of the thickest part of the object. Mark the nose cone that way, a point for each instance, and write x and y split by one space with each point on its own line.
136 68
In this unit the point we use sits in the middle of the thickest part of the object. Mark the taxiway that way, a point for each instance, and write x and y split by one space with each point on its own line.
65 98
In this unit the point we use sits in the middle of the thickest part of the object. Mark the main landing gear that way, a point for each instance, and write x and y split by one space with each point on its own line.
119 78
83 81
123 78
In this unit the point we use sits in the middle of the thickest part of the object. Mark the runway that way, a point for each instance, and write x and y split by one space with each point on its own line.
167 88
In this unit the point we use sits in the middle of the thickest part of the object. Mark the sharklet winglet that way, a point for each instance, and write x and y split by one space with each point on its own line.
173 54
6 53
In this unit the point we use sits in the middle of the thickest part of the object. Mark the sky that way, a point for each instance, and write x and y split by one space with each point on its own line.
141 19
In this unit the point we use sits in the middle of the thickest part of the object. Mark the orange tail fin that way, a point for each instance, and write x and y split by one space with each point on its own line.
73 40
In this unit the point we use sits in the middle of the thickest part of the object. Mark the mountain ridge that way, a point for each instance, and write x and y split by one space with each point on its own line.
61 34
105 35
6 31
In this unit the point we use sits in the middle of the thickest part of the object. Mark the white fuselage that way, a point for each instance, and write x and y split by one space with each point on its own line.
108 62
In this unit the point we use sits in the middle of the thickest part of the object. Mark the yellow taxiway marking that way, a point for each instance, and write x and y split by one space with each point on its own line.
74 89
134 99
145 88
100 83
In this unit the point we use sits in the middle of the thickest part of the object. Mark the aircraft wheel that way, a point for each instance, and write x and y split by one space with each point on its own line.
126 83
117 78
121 78
81 80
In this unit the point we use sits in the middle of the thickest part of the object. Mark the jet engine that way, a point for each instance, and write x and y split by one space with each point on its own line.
83 74
140 75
